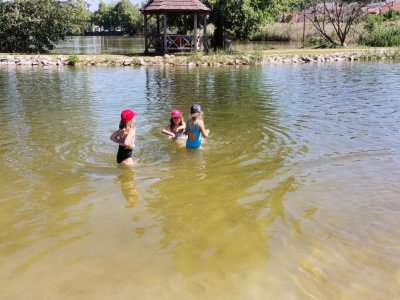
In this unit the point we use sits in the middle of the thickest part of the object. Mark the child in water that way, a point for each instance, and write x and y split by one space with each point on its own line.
195 128
176 127
125 137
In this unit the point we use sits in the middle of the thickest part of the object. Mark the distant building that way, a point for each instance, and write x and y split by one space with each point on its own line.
391 5
374 8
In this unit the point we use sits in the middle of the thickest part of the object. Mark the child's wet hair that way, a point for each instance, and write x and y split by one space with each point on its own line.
172 124
122 124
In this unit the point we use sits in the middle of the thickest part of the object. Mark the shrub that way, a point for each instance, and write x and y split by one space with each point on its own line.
382 37
32 26
373 21
72 59
392 15
259 35
315 40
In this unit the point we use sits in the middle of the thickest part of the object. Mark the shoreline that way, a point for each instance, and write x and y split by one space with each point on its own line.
266 57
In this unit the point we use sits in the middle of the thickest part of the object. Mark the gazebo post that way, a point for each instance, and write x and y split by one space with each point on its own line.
166 41
205 45
146 45
165 33
195 32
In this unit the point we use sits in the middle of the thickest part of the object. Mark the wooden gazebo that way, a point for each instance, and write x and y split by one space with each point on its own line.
166 42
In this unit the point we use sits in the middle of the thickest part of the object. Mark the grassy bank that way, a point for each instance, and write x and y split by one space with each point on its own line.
258 55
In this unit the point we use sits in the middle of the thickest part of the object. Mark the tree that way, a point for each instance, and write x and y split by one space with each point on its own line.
278 7
240 17
32 25
79 14
340 15
127 16
122 14
102 16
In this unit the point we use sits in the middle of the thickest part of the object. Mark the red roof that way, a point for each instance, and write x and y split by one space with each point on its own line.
174 6
385 9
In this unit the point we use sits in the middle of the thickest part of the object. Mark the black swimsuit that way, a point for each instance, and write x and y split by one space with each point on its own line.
123 153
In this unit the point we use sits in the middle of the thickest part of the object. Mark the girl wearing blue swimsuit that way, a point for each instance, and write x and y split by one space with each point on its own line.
195 128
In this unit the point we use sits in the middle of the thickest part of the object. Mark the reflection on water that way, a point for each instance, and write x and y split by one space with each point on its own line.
135 45
295 195
100 45
128 187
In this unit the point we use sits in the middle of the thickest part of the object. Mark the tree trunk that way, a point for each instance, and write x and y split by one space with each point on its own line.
218 38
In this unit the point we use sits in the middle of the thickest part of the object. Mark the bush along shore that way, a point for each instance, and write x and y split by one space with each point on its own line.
193 60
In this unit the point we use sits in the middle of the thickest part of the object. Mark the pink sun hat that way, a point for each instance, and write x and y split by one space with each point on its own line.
128 114
176 113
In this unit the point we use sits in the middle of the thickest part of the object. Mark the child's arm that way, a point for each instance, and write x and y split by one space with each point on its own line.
205 132
167 132
182 128
185 129
114 138
129 138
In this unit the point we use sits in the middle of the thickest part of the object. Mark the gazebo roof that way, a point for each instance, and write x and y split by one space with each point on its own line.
175 6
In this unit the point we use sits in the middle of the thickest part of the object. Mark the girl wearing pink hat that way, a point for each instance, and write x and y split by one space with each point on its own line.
125 137
176 127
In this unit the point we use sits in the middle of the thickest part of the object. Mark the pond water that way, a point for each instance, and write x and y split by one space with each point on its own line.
295 195
135 45
100 45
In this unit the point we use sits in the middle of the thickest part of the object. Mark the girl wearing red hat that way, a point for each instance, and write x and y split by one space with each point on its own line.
176 127
125 137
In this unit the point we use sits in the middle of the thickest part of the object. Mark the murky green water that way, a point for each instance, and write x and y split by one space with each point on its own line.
296 195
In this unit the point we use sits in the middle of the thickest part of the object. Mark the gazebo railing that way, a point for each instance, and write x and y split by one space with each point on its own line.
155 41
175 42
179 42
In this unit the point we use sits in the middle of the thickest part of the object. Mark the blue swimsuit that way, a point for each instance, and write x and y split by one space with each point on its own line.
194 135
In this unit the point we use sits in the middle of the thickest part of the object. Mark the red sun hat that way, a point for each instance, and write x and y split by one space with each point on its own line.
127 115
176 113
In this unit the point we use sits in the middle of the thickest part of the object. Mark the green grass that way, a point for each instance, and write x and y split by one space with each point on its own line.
387 36
195 57
257 54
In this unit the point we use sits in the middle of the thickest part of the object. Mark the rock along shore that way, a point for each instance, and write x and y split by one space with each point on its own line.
193 60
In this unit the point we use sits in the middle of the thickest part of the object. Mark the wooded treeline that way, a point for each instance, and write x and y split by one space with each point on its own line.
37 25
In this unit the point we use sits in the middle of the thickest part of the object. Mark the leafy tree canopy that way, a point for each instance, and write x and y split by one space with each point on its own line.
79 14
32 25
121 14
242 17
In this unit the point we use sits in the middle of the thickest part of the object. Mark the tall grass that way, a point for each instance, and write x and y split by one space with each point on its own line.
268 35
218 56
195 57
284 32
382 37
257 53
294 32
